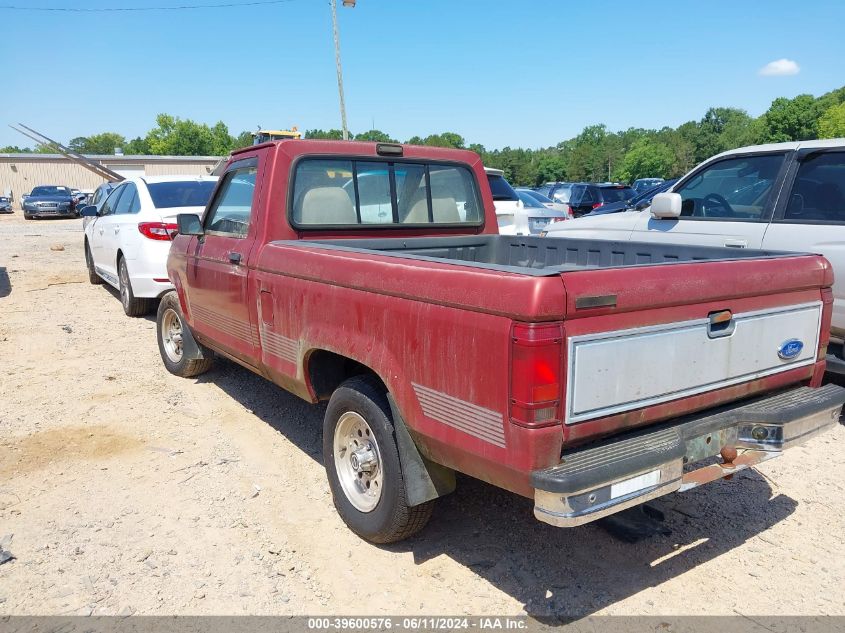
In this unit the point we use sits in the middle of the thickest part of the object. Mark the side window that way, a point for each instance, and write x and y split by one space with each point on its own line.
112 201
97 195
818 194
732 189
232 208
589 197
124 205
575 196
374 193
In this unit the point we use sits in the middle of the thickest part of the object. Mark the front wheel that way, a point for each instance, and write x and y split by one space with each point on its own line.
181 354
363 466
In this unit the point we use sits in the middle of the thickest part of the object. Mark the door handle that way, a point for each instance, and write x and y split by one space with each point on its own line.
234 258
736 243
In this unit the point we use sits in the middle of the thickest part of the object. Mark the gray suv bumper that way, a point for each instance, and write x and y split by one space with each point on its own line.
596 481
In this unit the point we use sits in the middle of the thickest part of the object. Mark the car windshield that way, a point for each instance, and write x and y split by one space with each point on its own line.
529 201
50 191
616 194
501 188
181 193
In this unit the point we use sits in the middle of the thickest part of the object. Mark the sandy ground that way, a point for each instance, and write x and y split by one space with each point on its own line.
124 489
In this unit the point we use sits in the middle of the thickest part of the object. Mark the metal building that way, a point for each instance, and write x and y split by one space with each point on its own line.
19 173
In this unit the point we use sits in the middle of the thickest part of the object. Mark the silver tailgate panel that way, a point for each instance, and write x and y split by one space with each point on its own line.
623 370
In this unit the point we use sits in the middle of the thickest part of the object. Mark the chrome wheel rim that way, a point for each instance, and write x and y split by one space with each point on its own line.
124 285
357 461
171 335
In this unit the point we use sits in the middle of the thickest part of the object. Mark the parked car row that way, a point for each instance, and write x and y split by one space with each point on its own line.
778 197
561 372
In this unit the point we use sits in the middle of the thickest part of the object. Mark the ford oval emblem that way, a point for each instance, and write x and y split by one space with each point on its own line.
790 349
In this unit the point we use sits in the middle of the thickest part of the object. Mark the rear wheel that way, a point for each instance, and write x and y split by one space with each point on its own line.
181 354
363 466
93 277
132 305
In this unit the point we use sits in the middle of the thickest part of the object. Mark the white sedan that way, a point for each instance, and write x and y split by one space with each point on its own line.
127 239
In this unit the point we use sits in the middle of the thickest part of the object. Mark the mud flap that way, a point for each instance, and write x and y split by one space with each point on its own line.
424 480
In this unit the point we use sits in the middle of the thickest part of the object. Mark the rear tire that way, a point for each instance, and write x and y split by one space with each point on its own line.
360 454
180 352
132 305
93 277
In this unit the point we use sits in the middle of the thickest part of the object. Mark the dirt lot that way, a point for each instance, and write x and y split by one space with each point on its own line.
128 490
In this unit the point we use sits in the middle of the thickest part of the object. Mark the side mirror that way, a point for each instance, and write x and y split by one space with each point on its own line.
189 224
666 206
88 212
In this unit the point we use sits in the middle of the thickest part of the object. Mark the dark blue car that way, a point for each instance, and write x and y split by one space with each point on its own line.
637 202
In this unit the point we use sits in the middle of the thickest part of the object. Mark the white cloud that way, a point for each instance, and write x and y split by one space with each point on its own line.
780 68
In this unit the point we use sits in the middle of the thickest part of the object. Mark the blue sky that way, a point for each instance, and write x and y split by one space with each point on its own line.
527 74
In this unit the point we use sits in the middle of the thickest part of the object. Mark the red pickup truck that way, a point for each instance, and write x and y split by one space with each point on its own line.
590 376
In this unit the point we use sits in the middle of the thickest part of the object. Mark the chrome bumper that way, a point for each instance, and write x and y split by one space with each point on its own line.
594 482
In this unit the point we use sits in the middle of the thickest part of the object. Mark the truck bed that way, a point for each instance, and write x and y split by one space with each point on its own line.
539 256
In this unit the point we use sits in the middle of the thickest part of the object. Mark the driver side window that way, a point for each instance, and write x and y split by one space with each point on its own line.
738 188
111 202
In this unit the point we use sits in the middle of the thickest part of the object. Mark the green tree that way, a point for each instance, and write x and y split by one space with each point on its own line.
14 149
792 119
137 147
183 137
331 135
832 122
244 139
104 143
550 167
646 159
375 135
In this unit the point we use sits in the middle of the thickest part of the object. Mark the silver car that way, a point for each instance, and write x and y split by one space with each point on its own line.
539 215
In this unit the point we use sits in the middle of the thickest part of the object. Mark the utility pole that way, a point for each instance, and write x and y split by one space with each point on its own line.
346 3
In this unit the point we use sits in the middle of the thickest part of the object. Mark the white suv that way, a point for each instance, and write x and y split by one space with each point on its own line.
782 197
127 238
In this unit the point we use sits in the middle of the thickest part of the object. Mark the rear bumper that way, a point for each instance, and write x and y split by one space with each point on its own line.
594 482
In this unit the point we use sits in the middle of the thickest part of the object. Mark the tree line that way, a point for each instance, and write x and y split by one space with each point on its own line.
596 154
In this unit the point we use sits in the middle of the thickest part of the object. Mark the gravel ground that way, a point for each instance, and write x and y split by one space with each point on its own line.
124 489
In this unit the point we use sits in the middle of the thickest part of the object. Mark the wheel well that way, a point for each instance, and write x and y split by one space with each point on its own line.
117 258
327 370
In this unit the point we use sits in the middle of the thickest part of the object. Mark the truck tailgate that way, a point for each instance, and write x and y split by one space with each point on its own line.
662 333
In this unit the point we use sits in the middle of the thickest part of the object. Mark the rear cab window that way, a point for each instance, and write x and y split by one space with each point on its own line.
616 194
350 192
501 188
179 193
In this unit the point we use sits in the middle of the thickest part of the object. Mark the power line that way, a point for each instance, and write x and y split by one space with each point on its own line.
251 3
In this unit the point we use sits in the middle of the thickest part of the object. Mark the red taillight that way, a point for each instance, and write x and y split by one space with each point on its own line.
597 205
158 230
559 219
536 371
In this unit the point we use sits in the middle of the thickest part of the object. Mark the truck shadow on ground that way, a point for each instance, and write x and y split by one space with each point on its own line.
5 283
557 574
